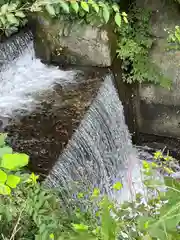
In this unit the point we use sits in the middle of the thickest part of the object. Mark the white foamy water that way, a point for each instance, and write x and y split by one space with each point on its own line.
24 77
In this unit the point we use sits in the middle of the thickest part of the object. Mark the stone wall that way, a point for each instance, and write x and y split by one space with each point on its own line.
73 43
158 109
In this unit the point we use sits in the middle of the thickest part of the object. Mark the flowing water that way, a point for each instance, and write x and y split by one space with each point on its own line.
100 151
23 76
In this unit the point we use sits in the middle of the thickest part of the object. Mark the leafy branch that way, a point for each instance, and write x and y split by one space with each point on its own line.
12 15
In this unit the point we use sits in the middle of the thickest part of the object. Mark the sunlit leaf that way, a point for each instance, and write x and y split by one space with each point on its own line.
106 13
125 19
65 6
12 7
95 7
115 7
4 8
158 155
3 20
20 14
124 14
168 170
3 176
13 181
4 190
75 6
11 18
80 227
50 9
14 161
85 6
51 236
2 136
118 19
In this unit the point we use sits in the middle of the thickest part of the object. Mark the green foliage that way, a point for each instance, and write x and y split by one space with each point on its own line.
134 44
13 14
28 210
174 39
134 31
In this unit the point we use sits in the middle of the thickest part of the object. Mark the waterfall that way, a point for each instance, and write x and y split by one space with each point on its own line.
22 76
100 152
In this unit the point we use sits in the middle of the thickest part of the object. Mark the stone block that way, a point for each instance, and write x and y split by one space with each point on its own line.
74 43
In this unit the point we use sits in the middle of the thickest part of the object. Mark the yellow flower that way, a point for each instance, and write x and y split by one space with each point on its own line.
33 179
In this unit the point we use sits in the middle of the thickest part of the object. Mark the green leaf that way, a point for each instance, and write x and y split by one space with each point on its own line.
4 8
95 7
14 161
20 14
80 227
96 192
51 236
2 136
11 18
13 181
117 19
125 19
115 7
4 190
3 20
5 150
117 186
3 176
124 14
158 233
85 6
65 6
75 6
144 222
50 9
108 223
12 7
106 13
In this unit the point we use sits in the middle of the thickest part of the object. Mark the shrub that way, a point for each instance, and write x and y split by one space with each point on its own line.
28 210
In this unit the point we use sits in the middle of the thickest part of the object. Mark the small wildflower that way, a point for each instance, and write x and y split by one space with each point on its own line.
158 155
117 186
33 179
146 165
80 195
51 236
96 192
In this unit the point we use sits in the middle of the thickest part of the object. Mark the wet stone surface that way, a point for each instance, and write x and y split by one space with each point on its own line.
44 133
